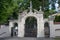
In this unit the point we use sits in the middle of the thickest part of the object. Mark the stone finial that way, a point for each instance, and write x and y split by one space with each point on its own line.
40 8
30 6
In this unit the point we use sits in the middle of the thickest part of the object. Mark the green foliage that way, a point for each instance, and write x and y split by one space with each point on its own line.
6 9
36 4
59 2
57 19
12 7
46 14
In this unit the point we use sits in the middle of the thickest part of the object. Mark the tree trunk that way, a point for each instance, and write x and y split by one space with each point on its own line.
43 5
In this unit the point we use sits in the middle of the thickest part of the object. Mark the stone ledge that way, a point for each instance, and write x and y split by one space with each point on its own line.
56 22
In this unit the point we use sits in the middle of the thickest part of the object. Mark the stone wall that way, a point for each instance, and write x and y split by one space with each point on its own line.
54 29
57 29
4 31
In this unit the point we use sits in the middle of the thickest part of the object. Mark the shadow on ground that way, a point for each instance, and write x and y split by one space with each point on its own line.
2 39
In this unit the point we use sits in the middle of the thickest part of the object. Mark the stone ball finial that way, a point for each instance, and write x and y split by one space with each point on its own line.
40 8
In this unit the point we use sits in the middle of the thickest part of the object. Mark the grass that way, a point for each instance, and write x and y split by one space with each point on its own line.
57 38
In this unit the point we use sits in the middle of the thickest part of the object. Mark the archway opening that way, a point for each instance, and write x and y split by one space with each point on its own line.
14 30
47 29
31 27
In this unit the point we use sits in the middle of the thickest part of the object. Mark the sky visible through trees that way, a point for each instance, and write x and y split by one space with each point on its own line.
53 3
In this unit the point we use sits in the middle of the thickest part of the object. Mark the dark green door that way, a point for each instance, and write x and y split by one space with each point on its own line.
31 27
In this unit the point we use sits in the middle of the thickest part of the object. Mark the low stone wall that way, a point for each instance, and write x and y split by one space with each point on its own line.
4 31
57 29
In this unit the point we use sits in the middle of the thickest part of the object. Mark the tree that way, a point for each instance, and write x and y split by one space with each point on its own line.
57 19
7 7
59 2
36 5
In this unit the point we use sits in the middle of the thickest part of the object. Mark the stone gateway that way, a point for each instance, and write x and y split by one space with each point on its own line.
32 24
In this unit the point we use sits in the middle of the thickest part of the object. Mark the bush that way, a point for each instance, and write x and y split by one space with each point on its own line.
57 19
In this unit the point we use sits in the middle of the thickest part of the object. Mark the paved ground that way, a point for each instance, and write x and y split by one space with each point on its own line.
15 38
45 38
